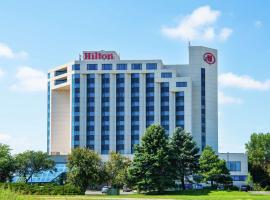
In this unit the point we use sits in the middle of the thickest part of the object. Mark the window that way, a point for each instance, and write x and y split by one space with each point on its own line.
49 75
151 66
166 75
76 67
92 67
239 178
234 166
106 66
60 72
136 66
60 81
203 136
121 66
181 84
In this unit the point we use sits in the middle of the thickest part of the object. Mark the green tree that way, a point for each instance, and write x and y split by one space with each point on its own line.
184 155
29 163
84 168
212 168
258 150
116 168
7 165
151 169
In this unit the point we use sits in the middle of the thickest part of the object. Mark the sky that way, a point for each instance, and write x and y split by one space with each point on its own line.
36 36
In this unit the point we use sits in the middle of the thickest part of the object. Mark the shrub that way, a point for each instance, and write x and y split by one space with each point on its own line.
41 189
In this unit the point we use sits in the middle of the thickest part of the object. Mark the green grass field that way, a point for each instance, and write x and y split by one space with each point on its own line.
189 195
199 195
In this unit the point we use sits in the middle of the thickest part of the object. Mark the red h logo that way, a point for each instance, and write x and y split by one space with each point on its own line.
209 58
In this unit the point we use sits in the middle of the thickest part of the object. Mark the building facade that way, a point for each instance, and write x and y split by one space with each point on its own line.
104 103
237 163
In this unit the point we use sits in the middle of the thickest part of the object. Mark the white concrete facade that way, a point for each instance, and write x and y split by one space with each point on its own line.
237 163
200 119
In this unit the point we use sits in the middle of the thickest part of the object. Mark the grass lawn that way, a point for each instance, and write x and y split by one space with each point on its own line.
194 195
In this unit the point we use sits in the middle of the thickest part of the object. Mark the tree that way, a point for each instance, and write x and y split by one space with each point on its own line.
151 169
258 150
184 155
84 168
212 168
116 168
29 163
7 165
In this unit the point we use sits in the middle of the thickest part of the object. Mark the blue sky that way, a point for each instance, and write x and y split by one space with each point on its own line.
36 36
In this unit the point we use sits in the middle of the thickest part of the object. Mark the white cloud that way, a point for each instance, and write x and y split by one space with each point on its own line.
225 34
258 24
224 99
29 79
242 82
199 25
7 52
4 137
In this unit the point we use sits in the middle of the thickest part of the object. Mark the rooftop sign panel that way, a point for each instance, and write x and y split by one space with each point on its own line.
100 55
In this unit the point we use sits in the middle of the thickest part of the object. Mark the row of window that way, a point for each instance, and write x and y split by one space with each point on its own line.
120 66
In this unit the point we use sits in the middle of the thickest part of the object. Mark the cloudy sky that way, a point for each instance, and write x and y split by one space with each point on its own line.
36 36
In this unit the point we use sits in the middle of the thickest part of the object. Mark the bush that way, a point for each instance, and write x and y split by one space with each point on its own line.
232 187
257 187
41 189
267 188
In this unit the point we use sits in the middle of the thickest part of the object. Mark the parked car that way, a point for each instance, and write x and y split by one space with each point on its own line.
126 189
220 187
245 188
198 187
105 189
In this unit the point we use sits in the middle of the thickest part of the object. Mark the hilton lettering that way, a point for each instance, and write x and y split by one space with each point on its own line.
98 56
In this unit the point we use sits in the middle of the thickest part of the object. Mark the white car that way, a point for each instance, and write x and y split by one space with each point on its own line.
198 186
104 189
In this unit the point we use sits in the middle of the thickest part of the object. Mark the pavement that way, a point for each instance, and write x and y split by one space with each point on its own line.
260 192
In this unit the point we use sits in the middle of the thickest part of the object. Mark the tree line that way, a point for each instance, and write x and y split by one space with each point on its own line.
159 162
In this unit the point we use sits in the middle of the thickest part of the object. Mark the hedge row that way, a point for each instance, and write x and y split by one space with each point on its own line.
44 189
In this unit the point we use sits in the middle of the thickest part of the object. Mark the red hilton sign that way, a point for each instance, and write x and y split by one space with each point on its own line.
97 56
209 58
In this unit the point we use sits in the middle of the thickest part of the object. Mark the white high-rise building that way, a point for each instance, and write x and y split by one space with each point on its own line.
105 103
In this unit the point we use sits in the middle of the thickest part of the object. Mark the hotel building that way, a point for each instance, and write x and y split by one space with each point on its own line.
105 103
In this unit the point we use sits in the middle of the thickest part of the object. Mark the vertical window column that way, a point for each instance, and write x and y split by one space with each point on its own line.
75 110
165 108
179 109
90 129
120 113
135 110
150 96
105 114
203 117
